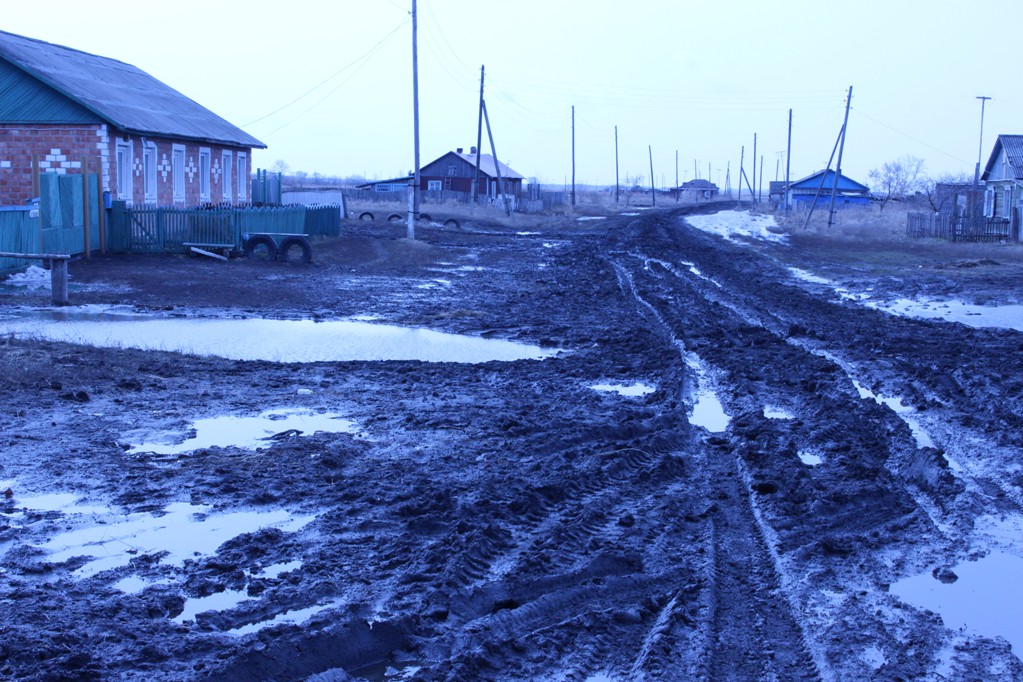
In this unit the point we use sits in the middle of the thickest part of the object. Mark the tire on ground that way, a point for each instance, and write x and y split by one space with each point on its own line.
366 215
452 223
394 218
288 245
261 247
425 217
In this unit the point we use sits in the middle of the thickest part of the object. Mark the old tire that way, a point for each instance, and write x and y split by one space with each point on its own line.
425 217
261 247
288 246
394 218
366 215
452 223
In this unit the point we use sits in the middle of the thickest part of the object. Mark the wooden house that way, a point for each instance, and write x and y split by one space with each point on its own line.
1003 179
820 184
455 171
698 190
67 111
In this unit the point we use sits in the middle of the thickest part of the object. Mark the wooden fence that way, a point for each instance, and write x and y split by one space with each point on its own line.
959 228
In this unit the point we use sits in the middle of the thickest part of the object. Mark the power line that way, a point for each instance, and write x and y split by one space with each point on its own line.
908 136
334 75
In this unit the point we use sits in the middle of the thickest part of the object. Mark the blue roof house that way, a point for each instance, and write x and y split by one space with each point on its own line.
849 192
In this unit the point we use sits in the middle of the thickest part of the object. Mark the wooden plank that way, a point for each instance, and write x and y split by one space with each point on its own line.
58 281
36 257
204 252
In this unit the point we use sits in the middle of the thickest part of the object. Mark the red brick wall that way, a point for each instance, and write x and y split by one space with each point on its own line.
66 149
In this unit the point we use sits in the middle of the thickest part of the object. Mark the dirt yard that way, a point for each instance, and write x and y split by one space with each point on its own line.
764 459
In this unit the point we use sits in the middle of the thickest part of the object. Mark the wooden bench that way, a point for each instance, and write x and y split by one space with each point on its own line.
58 271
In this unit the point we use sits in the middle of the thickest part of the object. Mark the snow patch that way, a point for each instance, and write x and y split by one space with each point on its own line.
34 277
733 224
629 390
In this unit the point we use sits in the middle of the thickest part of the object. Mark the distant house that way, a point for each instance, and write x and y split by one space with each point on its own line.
62 110
820 184
698 190
454 172
1003 179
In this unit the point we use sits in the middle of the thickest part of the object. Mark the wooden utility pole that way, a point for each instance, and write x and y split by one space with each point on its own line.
742 159
696 173
617 187
479 143
760 187
414 212
497 164
753 194
838 164
653 191
788 163
573 155
976 173
677 192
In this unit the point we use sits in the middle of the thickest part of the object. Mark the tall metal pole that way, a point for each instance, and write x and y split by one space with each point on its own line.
838 163
617 187
415 115
573 155
479 144
788 163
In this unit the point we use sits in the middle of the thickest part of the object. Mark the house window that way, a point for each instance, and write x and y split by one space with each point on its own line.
451 169
225 163
434 185
124 183
178 169
149 172
1007 204
243 176
204 174
989 202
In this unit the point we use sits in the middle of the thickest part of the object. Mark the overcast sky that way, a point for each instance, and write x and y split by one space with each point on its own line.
328 85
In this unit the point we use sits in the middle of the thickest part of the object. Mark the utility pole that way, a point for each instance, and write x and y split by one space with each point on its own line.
617 187
414 213
788 163
753 194
497 164
677 193
696 173
653 191
479 143
573 155
760 187
742 159
838 163
980 151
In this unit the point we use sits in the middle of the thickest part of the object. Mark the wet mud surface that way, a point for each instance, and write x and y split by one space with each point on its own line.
505 520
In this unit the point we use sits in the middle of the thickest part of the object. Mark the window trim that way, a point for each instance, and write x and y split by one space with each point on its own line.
179 161
242 160
124 153
226 172
150 188
205 155
434 185
989 202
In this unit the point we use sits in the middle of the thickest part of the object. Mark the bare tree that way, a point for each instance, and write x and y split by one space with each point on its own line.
899 178
937 198
280 166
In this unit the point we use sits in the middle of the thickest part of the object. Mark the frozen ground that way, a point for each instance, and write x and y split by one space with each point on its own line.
717 452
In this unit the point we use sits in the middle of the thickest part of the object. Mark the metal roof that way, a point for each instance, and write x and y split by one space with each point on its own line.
487 166
120 94
813 181
1013 146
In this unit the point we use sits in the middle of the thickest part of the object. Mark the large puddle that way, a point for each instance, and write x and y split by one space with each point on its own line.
261 339
985 598
247 432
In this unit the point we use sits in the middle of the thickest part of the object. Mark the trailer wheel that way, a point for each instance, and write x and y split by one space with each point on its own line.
288 247
452 223
366 215
261 247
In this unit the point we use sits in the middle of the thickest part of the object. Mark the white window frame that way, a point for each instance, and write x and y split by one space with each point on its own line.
434 185
149 161
125 186
989 202
178 161
226 161
243 176
205 165
1007 206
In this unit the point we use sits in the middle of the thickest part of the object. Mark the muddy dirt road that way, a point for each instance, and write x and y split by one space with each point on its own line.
722 474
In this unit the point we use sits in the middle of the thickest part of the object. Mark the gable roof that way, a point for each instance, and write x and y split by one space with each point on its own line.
1013 147
813 181
698 183
487 166
118 93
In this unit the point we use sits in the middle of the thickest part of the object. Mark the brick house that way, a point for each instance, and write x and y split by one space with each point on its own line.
65 111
